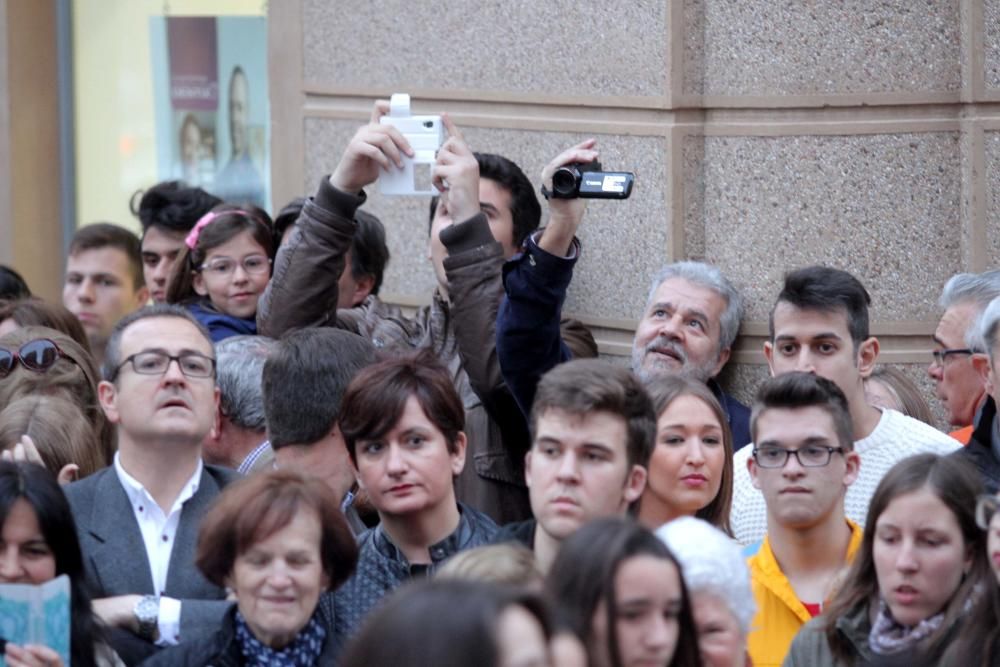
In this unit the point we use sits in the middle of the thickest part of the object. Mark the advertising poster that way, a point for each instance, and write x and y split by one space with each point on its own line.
210 79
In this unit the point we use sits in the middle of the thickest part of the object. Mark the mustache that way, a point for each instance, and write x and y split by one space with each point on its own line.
664 344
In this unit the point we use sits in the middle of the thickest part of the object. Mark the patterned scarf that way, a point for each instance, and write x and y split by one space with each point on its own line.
304 651
888 636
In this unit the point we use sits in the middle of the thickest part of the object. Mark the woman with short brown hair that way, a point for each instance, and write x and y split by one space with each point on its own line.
278 541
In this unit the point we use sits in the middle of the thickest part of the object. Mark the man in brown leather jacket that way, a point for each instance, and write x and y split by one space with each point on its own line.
487 208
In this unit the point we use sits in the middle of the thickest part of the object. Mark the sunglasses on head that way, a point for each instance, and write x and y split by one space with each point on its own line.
37 355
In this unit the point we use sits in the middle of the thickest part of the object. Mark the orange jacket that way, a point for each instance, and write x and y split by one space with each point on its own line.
780 613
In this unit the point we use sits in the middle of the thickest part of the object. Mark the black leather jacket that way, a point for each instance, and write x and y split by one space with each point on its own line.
979 451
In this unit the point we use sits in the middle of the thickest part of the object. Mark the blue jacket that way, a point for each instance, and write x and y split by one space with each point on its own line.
220 325
529 343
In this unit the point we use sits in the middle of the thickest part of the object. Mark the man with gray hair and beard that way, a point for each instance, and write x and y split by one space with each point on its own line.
691 319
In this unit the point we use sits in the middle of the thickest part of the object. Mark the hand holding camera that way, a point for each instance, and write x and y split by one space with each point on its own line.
373 148
565 214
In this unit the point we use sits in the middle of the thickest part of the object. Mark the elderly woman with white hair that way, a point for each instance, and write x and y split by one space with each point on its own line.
718 582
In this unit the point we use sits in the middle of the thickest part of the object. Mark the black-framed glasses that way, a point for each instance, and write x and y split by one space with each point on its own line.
223 267
155 362
810 456
986 506
941 356
37 355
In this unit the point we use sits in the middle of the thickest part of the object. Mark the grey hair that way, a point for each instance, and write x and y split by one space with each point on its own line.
987 326
711 562
976 288
113 351
240 367
706 275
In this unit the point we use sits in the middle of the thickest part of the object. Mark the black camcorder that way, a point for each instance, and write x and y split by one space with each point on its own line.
589 181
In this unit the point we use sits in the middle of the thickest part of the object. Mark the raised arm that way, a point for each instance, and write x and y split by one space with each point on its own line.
529 338
303 290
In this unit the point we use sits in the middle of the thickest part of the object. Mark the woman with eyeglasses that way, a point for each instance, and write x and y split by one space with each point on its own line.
37 361
224 268
978 644
915 578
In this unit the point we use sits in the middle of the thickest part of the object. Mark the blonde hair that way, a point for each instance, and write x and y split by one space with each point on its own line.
57 427
507 563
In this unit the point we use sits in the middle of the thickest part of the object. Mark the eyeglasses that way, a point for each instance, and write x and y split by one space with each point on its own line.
37 355
223 267
810 456
154 362
941 356
986 507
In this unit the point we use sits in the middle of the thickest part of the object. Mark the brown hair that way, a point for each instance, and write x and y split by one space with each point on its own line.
956 484
74 378
32 311
257 507
798 389
582 386
57 427
377 396
907 393
107 235
663 391
229 222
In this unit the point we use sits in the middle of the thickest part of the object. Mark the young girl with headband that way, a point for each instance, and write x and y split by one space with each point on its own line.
224 269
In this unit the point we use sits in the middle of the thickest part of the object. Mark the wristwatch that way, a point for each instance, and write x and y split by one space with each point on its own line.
147 613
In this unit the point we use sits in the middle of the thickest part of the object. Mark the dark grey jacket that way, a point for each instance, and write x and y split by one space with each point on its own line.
382 568
979 451
115 556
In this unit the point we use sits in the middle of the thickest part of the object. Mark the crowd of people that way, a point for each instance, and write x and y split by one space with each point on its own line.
240 455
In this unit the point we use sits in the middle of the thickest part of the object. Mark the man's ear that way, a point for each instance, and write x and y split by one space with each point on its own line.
216 431
724 355
853 461
635 484
752 469
981 362
68 473
141 297
364 288
107 394
527 469
867 356
199 284
769 355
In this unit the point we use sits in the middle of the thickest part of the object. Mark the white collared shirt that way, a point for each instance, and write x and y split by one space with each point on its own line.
158 532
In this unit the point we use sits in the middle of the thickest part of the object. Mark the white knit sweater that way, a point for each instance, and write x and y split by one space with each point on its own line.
895 437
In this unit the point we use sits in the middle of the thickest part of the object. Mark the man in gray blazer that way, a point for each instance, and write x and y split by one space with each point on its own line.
138 519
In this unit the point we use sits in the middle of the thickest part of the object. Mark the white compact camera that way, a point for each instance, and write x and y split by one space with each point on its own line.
425 134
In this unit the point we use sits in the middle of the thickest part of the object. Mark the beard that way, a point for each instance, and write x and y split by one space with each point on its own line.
647 364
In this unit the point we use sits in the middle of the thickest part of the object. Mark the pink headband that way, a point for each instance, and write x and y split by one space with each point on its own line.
192 238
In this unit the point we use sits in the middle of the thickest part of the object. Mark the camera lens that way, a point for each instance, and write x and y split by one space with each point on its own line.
564 181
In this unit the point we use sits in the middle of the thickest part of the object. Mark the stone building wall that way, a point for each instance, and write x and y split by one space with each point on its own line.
764 136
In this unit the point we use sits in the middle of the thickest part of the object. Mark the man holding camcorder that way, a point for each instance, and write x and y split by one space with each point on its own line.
689 324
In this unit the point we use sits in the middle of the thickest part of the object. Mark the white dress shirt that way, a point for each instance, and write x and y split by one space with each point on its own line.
158 532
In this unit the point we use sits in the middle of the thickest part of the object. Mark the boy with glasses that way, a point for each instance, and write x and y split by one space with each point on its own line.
802 462
138 519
